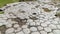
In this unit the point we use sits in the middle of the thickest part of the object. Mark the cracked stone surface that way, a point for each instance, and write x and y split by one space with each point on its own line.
34 17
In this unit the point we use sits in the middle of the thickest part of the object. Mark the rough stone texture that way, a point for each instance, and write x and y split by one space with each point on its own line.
34 17
40 28
47 29
33 29
43 32
20 32
35 33
10 30
56 31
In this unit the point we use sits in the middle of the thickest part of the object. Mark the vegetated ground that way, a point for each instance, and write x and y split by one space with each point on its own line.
1 12
4 2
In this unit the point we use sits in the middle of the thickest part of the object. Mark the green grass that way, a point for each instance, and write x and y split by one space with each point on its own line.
4 2
1 12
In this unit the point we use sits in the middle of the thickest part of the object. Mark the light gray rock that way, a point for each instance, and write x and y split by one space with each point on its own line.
10 30
33 29
47 29
43 32
47 22
18 29
40 28
8 25
58 26
54 22
32 24
37 23
29 20
52 26
56 31
16 26
21 32
51 33
24 26
43 24
26 31
35 33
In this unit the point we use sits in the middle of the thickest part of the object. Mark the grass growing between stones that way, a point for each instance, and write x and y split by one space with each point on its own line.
26 0
4 2
1 12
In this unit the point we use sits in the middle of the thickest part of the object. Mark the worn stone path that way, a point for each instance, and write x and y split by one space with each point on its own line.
29 18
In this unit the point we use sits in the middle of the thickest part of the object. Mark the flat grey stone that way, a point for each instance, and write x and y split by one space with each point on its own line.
56 31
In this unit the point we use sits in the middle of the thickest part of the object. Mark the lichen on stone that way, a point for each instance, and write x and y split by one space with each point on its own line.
20 21
46 10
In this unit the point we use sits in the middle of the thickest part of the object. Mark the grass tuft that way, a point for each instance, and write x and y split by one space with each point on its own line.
1 12
4 2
